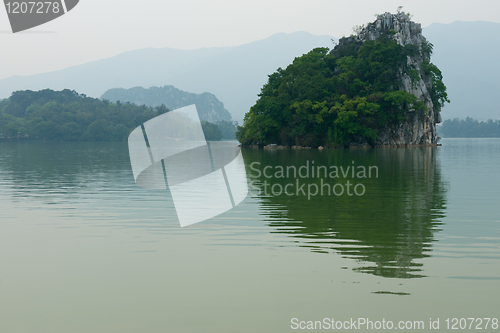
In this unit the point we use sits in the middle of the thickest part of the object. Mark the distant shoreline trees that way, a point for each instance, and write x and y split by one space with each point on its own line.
68 116
469 128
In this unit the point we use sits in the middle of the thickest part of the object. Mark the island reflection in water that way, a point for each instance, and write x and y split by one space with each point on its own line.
387 229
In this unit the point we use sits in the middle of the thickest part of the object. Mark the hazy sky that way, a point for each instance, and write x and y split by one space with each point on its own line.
97 29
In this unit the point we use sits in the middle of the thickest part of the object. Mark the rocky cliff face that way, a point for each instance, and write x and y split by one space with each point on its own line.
419 127
208 106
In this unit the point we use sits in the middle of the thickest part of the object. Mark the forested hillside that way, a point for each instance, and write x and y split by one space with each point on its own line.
68 116
208 106
325 98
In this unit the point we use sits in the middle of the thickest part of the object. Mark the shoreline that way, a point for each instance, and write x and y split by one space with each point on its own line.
342 147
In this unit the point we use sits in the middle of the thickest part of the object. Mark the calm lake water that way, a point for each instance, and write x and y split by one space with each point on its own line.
83 249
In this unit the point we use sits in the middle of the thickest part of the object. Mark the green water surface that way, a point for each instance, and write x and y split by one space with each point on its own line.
83 249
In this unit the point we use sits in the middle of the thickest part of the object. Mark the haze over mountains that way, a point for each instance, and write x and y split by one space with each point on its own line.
208 106
465 52
467 55
233 74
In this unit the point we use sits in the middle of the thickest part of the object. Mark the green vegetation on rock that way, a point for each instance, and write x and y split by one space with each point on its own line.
346 95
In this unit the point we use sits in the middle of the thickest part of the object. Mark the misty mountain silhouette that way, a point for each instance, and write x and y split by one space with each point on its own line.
464 51
233 74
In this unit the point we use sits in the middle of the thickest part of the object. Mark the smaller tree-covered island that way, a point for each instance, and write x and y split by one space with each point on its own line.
68 116
375 88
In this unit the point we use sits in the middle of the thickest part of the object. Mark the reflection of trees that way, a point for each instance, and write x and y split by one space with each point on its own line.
388 229
38 168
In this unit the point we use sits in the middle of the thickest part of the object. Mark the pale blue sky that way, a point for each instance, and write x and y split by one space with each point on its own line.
97 29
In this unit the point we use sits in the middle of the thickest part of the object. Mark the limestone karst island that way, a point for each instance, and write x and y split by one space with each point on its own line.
376 87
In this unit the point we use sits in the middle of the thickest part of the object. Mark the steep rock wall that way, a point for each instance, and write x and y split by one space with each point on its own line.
420 126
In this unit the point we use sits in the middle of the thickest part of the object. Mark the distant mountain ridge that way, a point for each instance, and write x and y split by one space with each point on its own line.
233 74
466 53
208 106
